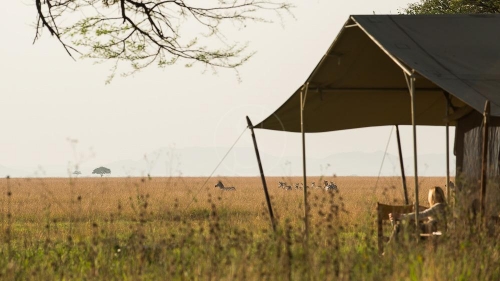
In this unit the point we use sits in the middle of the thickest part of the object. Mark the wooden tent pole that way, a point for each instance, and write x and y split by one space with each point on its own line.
414 124
484 166
263 178
401 164
448 191
303 96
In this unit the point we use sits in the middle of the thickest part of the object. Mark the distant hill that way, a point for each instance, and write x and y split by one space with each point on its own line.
242 162
14 173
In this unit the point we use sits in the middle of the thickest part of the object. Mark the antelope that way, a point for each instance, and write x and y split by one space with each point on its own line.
451 185
284 186
221 186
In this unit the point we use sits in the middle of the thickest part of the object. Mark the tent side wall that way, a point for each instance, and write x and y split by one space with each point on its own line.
468 151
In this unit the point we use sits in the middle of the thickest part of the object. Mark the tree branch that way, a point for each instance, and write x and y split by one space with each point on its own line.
149 31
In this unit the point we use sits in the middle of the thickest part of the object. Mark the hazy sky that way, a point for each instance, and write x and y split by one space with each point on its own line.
47 98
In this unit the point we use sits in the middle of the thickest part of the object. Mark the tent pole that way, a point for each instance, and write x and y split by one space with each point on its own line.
303 96
269 207
414 124
484 166
403 177
448 190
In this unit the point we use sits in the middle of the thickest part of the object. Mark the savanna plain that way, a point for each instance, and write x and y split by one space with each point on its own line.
181 228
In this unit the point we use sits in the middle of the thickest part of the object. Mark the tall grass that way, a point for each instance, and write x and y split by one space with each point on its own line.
172 229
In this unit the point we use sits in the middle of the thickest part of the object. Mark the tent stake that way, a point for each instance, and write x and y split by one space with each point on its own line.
403 177
303 96
269 207
484 166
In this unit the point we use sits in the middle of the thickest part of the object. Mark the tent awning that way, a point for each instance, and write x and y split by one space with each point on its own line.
360 81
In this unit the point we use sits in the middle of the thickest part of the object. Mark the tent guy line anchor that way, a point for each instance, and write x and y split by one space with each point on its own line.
220 162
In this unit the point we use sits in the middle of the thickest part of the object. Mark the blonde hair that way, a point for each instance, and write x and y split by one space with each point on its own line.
436 195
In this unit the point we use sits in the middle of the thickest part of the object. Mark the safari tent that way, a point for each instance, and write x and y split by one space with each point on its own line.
386 70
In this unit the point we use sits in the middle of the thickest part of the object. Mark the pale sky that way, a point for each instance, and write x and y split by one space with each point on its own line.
48 98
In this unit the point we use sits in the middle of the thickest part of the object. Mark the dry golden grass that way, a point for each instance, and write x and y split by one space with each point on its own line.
90 199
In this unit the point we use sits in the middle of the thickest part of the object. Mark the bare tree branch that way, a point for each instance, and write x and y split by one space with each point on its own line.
50 23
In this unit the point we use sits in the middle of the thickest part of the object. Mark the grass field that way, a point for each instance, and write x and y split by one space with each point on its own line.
181 229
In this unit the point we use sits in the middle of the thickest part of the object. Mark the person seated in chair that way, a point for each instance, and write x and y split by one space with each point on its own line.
434 217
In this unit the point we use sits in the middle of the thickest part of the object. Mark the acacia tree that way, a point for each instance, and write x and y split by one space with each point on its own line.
145 32
101 171
453 7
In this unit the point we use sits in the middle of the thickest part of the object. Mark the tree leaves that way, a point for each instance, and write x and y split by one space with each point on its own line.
160 32
453 7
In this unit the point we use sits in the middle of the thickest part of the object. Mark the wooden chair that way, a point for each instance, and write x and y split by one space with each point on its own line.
383 212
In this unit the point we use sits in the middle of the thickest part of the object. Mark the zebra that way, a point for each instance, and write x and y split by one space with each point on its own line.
284 186
221 186
330 186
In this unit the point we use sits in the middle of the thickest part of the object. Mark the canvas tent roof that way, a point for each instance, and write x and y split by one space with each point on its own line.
360 82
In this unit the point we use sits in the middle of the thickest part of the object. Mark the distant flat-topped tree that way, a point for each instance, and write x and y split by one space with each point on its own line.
101 171
76 173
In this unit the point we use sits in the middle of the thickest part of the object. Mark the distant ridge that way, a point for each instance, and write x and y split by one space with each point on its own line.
5 171
242 162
